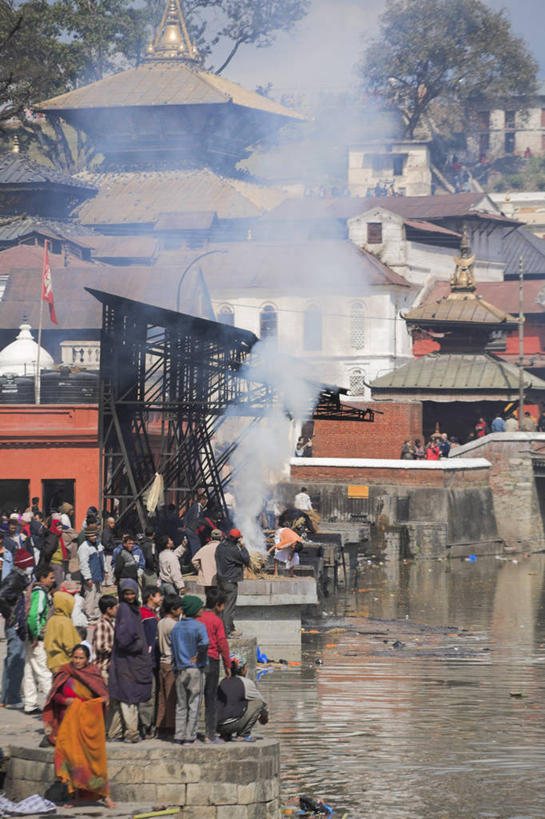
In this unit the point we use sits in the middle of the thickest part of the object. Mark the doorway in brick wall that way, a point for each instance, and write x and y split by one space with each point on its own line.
14 495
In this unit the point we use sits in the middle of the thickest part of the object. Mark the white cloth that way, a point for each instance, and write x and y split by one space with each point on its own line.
287 556
302 502
37 678
79 618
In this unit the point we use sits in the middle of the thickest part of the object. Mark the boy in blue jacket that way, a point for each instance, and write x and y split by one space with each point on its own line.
189 641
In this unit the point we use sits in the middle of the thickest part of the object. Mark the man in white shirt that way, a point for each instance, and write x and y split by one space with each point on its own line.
302 501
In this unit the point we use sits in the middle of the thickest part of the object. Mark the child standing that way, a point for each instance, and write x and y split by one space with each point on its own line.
103 638
166 701
215 603
189 640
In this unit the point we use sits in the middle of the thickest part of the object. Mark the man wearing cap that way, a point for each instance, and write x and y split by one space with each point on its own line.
205 561
231 558
189 642
91 566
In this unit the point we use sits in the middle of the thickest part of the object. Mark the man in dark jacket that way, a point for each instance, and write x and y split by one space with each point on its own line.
231 558
152 599
193 521
148 548
130 669
126 564
240 704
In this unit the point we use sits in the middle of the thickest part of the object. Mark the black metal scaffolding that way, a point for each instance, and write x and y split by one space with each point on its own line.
167 380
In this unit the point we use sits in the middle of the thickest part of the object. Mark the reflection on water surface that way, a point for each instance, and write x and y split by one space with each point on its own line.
430 728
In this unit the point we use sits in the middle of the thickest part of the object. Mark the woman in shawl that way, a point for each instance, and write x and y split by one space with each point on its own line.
130 669
73 718
60 636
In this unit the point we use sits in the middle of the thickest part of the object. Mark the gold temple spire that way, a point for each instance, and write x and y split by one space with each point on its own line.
463 280
172 40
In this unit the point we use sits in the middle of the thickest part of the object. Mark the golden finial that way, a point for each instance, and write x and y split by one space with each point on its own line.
463 278
172 40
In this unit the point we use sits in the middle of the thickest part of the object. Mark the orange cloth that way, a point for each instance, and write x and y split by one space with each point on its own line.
80 750
287 537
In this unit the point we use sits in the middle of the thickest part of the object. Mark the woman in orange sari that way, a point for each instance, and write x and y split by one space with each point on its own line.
73 717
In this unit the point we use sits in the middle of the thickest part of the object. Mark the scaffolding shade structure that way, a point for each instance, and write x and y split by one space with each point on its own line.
167 381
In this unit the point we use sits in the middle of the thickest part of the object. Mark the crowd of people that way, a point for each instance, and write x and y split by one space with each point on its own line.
440 443
123 653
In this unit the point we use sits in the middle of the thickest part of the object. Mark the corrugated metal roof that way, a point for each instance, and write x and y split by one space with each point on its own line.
459 308
18 169
163 83
409 207
429 227
15 229
140 197
456 372
522 242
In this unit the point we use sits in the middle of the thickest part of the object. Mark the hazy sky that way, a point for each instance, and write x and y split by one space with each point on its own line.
323 49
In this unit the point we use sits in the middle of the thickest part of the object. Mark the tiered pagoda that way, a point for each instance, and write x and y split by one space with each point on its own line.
464 379
169 112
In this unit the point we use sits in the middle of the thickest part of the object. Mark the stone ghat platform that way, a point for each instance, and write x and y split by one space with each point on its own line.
220 781
270 610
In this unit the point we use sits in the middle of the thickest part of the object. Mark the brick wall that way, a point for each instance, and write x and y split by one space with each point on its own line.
389 476
519 499
381 439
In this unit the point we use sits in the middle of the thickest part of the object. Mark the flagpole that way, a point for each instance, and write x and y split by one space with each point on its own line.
37 373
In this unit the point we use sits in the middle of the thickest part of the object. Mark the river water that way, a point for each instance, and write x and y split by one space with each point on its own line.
449 723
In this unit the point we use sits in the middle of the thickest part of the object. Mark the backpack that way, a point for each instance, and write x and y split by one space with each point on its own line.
11 589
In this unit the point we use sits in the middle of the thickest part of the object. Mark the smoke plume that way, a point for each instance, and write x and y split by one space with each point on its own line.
266 447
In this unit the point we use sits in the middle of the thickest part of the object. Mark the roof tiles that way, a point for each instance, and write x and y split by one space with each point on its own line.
456 372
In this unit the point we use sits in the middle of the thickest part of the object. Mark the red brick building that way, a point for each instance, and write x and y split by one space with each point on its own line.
51 452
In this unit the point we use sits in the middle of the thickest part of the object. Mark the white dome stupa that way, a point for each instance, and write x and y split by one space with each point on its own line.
19 357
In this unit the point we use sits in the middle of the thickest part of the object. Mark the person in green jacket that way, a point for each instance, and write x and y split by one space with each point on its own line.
37 677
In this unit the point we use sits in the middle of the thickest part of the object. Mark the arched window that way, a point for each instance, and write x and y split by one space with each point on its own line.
357 382
268 322
226 315
312 328
357 326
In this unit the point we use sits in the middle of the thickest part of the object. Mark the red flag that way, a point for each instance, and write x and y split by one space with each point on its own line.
47 287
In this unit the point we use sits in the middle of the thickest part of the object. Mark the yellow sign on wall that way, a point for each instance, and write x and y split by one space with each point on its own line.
358 491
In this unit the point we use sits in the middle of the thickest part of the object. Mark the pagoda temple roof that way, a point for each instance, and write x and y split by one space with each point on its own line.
455 376
164 83
460 308
140 197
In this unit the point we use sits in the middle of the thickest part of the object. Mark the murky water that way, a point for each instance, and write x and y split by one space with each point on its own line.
429 728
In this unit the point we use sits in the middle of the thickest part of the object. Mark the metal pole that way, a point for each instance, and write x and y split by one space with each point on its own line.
37 373
188 268
521 341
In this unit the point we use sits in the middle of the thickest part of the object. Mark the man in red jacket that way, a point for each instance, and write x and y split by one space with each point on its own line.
215 602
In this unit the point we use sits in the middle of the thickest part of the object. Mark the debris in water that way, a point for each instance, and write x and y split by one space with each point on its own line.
314 807
398 644
516 694
318 661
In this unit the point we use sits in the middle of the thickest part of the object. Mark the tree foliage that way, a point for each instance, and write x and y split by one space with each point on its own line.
446 52
47 48
106 35
233 23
